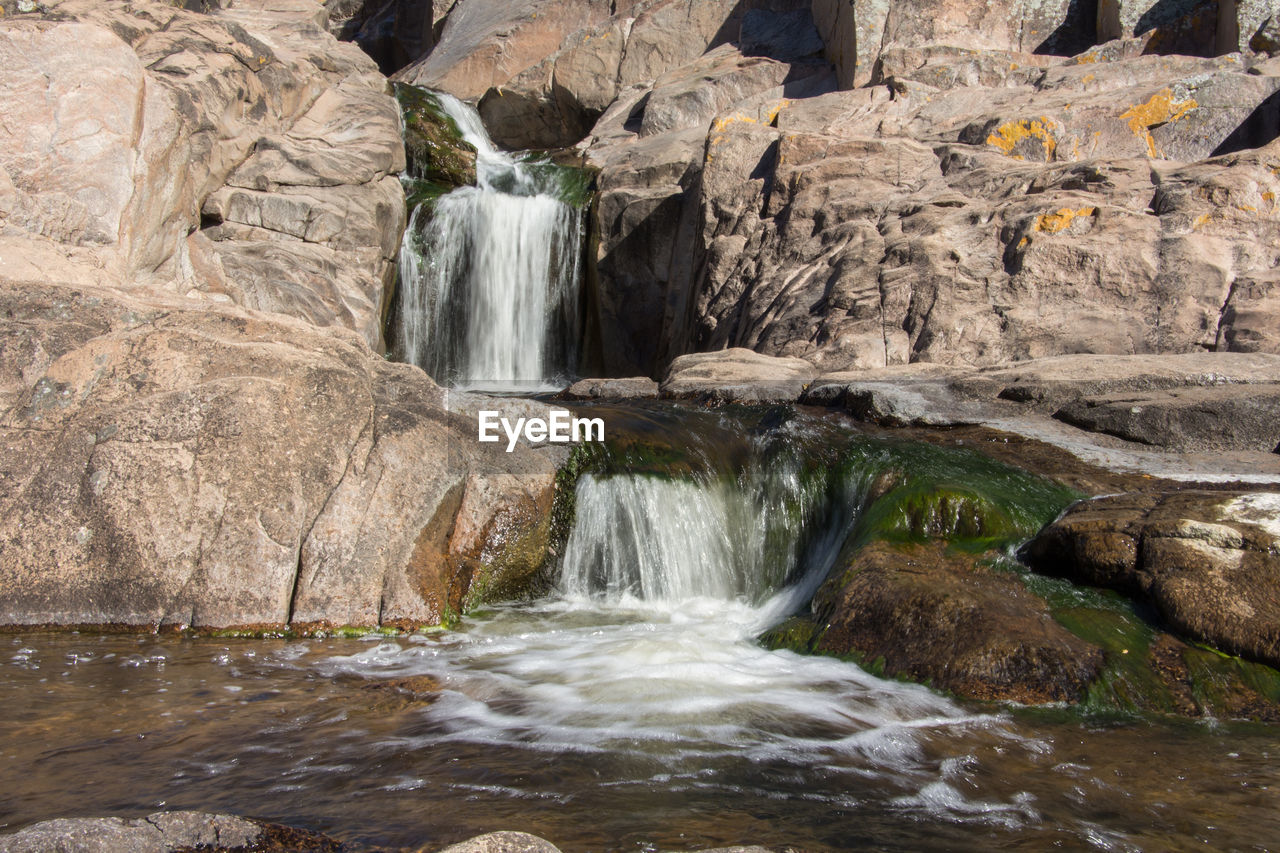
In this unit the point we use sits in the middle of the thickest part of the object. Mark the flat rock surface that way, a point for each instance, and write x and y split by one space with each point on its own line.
738 375
158 833
633 388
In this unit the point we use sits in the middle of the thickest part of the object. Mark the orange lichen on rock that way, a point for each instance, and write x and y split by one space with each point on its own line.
1052 223
1008 135
1161 109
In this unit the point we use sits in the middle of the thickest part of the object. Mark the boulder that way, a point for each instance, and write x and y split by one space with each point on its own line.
924 613
166 467
634 388
737 375
503 842
1206 561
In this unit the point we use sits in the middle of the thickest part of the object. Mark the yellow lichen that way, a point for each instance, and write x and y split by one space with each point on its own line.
1008 135
1200 220
1161 109
777 108
1052 223
722 123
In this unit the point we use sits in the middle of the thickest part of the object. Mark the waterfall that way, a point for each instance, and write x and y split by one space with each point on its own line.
764 538
489 275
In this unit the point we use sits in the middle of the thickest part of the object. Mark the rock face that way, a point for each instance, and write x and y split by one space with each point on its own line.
165 467
198 217
939 618
971 207
1207 561
243 156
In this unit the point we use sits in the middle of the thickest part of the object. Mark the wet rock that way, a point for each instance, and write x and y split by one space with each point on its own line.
162 832
503 842
1206 561
924 613
210 469
634 388
433 143
737 375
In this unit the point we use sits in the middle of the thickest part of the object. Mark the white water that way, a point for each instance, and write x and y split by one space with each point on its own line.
646 667
489 276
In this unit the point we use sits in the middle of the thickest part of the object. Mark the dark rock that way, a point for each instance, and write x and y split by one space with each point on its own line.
434 145
939 617
393 32
787 36
1223 417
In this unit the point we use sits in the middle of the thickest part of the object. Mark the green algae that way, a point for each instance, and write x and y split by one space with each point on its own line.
439 159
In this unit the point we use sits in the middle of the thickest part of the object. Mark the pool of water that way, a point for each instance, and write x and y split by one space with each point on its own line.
600 726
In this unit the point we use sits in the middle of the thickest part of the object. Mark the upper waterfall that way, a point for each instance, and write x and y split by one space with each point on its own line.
490 275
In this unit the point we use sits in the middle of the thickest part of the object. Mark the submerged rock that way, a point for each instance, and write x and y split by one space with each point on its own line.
929 615
164 832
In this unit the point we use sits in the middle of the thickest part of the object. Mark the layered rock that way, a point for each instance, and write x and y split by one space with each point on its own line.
243 156
975 207
542 72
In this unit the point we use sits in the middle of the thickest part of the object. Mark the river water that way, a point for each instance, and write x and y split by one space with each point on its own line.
630 709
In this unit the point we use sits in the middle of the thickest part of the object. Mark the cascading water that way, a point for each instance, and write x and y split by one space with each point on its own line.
490 274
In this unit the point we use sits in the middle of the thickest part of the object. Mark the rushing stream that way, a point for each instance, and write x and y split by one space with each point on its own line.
630 709
489 275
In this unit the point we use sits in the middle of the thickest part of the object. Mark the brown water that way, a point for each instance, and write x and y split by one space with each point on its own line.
600 728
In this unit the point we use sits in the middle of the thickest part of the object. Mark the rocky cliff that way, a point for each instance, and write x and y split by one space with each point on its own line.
863 183
199 217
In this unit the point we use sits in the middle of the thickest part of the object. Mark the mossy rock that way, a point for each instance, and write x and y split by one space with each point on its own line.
439 159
